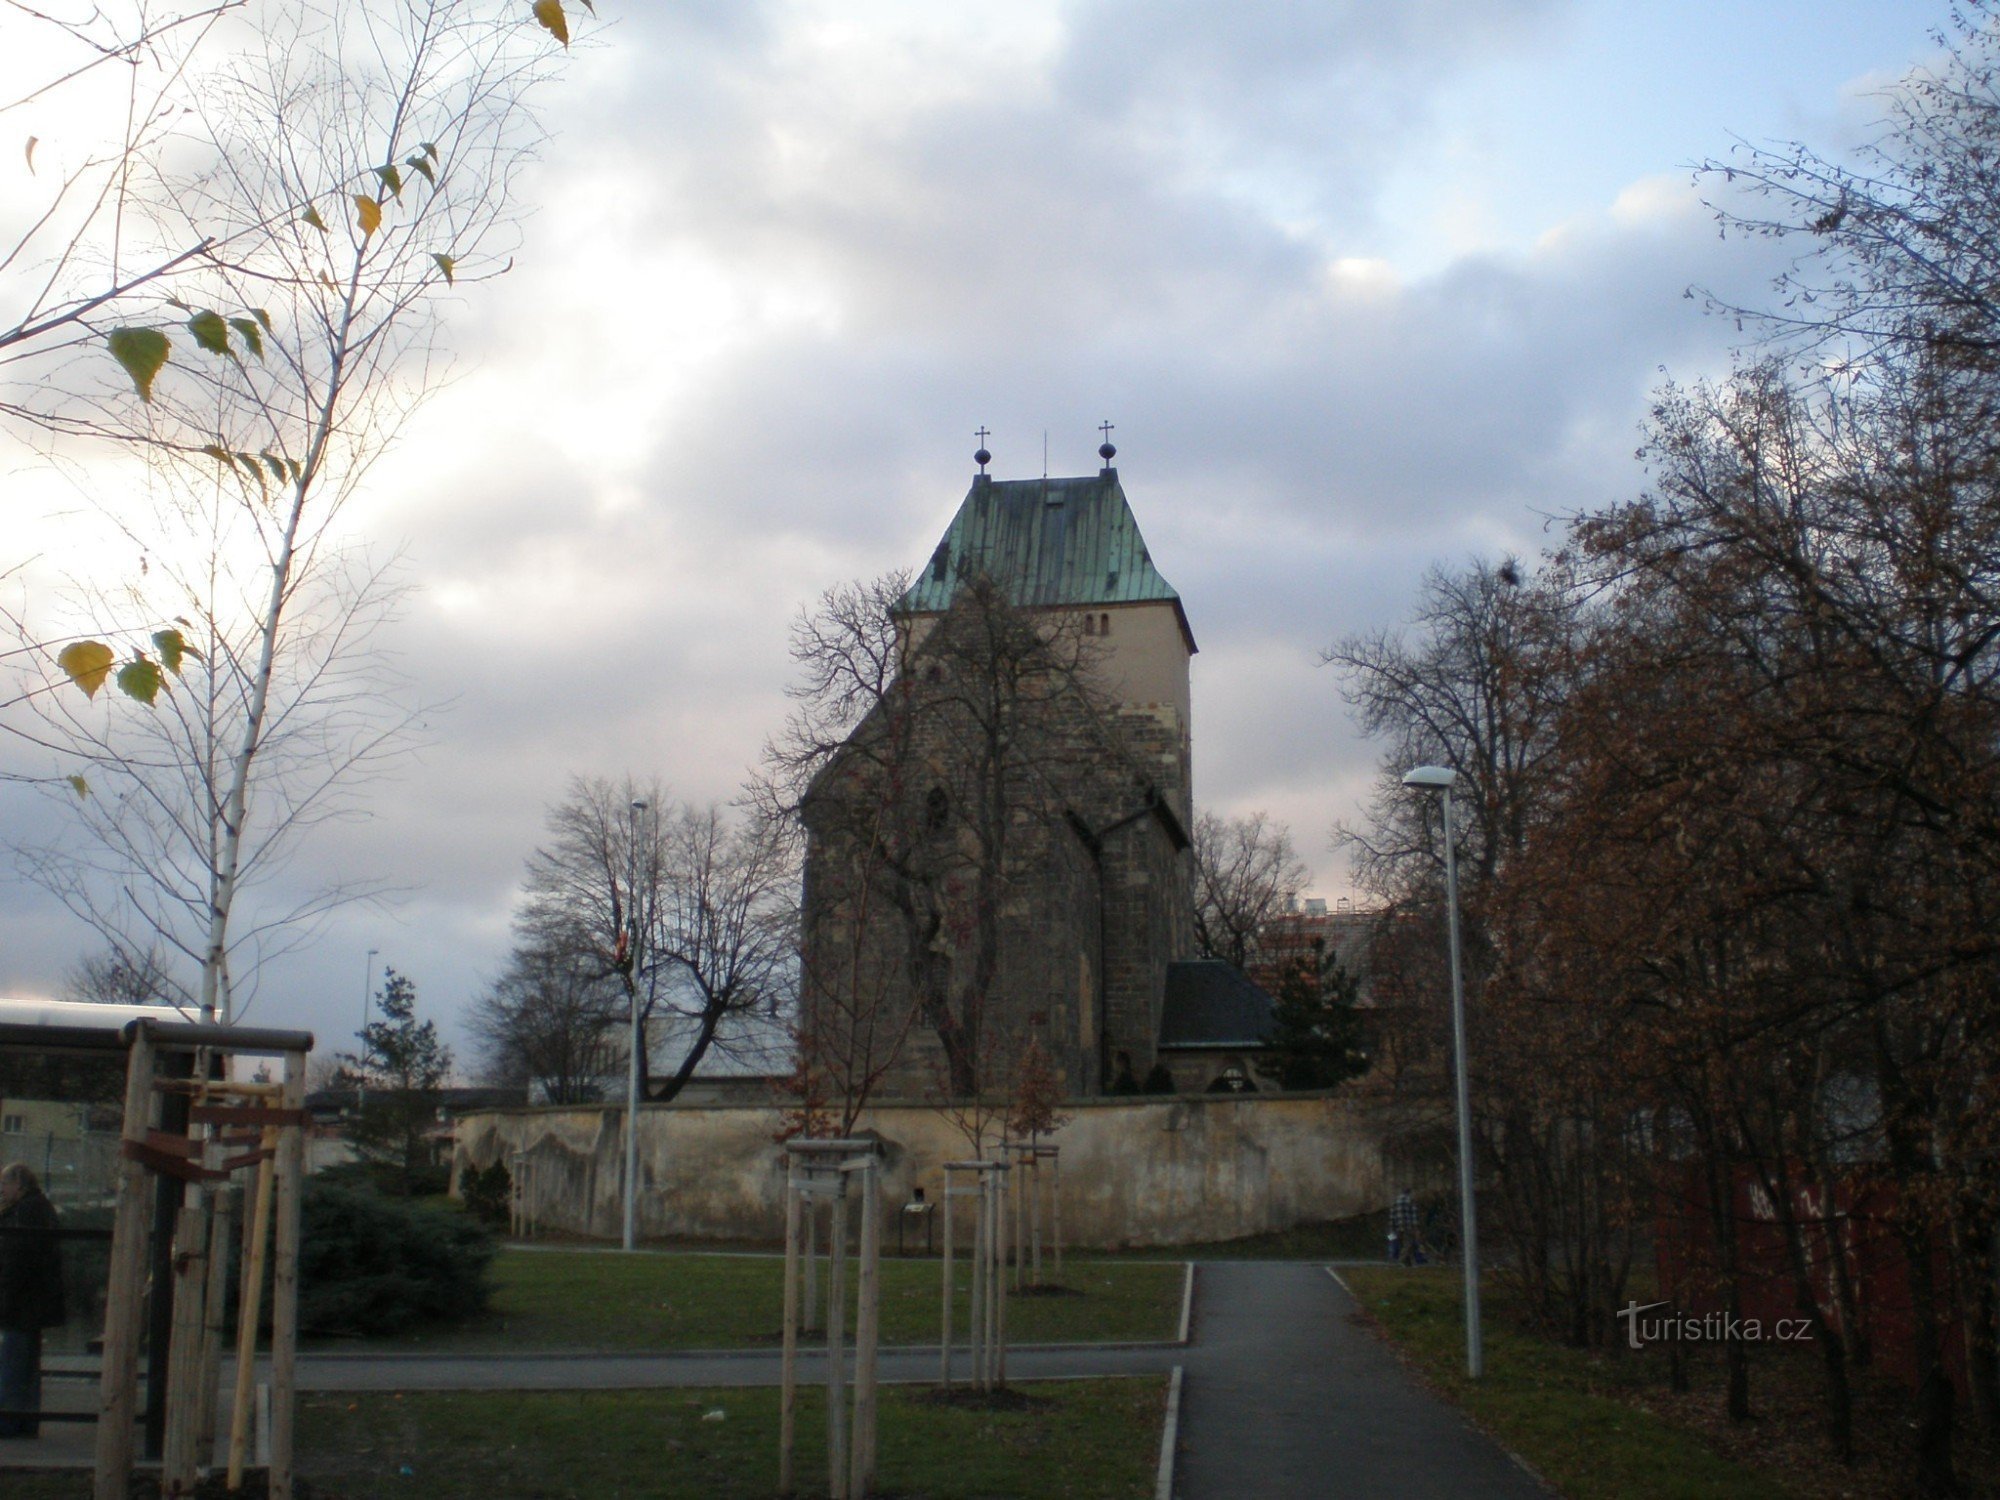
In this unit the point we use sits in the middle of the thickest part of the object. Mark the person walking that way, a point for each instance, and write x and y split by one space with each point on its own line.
31 1295
1403 1227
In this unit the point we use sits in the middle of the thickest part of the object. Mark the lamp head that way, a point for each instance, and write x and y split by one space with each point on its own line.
1431 778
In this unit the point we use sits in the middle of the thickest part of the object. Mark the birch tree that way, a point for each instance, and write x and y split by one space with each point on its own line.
344 168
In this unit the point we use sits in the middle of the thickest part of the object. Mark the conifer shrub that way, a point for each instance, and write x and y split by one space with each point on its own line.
370 1264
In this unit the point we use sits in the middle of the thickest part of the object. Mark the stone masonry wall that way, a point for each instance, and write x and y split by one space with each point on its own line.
1166 1172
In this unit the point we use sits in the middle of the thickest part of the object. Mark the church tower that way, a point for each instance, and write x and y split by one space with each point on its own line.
1072 547
999 869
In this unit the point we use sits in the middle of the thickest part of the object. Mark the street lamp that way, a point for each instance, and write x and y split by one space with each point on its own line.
367 989
1441 779
631 936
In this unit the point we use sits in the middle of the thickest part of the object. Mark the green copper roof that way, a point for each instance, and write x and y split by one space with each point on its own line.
1052 541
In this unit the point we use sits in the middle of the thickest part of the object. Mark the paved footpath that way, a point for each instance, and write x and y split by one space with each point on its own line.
1285 1394
1288 1395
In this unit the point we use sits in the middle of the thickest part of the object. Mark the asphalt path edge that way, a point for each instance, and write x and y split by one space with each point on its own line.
1375 1327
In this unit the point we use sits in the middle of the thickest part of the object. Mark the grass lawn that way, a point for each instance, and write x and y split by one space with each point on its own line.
1070 1440
578 1299
1566 1411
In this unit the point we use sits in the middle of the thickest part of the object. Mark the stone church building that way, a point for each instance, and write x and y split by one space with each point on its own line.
1000 851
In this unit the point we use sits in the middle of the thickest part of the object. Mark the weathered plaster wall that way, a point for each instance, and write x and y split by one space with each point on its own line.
1171 1171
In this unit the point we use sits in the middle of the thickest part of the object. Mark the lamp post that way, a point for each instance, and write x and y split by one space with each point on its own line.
367 992
1441 779
631 935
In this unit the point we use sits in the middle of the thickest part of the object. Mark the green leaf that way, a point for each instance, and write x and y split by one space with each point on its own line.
78 785
422 163
293 465
252 334
368 213
550 14
210 332
275 464
311 216
142 351
173 649
429 148
263 316
391 179
87 664
445 264
140 679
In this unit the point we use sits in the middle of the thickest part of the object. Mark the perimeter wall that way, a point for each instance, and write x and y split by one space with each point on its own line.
1133 1172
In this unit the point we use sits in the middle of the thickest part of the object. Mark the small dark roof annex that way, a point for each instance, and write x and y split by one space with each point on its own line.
1210 1003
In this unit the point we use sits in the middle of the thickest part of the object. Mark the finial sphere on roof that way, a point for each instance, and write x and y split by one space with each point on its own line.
1106 452
982 458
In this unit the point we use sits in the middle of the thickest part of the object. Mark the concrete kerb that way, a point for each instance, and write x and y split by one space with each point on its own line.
489 1356
1163 1483
1187 1305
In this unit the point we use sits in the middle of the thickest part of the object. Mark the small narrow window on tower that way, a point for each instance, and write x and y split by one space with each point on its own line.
1090 624
1104 624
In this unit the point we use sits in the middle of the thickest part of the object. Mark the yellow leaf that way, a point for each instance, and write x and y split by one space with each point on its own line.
87 664
78 785
311 216
368 212
550 14
143 352
445 264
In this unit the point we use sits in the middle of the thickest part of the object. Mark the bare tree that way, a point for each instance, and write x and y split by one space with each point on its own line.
118 977
1899 251
552 1023
1476 687
709 899
1245 873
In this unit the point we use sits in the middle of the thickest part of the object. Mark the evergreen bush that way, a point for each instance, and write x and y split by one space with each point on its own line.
369 1264
486 1192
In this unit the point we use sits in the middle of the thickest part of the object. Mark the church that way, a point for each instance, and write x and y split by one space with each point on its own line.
999 857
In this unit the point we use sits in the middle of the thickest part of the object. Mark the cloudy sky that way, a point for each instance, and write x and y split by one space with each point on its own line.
1363 287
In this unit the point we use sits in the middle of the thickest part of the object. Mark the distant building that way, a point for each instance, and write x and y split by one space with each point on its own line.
1312 925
